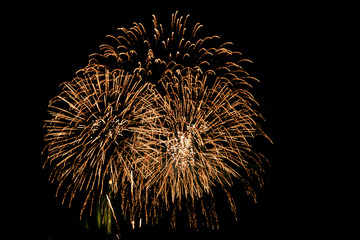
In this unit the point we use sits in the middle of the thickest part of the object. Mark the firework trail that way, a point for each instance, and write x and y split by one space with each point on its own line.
157 120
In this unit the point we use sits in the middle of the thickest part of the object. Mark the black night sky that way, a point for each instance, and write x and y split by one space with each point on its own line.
310 189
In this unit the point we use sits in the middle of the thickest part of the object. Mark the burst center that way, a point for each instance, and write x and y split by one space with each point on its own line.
181 150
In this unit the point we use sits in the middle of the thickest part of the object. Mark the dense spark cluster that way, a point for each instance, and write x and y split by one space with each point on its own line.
157 121
181 150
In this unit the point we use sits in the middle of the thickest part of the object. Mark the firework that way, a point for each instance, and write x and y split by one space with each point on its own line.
199 143
157 121
90 134
153 54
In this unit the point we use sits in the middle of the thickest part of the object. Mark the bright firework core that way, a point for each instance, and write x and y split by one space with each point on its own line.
181 150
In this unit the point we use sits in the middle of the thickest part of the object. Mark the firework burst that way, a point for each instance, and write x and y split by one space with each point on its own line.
153 54
199 143
90 134
157 121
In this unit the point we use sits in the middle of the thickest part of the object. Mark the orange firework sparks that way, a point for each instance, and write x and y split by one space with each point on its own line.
90 134
156 121
199 143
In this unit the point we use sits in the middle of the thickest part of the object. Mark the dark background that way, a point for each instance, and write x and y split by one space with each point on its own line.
297 50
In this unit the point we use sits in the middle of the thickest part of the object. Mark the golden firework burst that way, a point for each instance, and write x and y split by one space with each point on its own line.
199 143
157 121
91 130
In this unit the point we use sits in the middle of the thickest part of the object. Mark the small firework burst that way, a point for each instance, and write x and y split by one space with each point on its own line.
157 121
